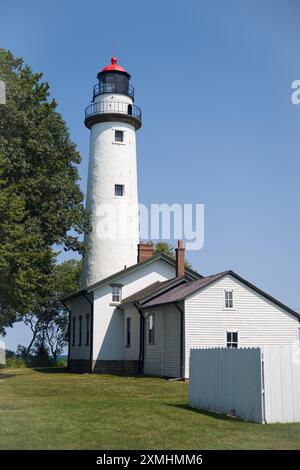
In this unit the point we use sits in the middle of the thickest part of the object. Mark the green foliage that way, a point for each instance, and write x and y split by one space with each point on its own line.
41 355
49 317
61 363
39 358
14 360
40 198
168 249
56 323
164 247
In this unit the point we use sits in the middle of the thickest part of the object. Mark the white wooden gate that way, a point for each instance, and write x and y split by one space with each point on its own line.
281 373
256 384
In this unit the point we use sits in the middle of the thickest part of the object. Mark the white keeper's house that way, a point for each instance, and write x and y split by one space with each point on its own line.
139 313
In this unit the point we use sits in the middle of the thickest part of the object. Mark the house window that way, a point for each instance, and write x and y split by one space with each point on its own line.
119 190
128 332
151 330
116 294
73 331
232 339
119 136
228 299
80 331
87 330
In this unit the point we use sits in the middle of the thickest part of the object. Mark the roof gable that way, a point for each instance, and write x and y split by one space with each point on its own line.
190 273
182 292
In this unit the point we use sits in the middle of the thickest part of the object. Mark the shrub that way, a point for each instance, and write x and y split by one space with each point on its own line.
15 362
41 357
61 363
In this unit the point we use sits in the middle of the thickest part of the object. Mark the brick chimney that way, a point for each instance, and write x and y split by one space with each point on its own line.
180 267
145 251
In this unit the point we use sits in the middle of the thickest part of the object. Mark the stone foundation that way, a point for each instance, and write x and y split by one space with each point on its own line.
105 367
79 365
116 367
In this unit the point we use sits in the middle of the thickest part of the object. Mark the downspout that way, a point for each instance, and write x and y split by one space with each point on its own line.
91 302
181 337
69 332
142 340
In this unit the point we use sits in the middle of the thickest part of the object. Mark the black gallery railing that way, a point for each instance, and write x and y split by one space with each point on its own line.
115 107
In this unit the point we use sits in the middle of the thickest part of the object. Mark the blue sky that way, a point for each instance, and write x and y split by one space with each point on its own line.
213 79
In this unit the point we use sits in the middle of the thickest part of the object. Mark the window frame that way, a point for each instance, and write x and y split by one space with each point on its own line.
73 331
118 131
87 329
123 190
128 332
151 331
225 300
80 331
119 296
231 341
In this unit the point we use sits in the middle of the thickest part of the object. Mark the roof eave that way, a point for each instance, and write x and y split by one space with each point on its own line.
136 266
241 279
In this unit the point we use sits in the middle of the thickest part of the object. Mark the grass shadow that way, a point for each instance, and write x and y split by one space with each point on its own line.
51 370
6 376
210 414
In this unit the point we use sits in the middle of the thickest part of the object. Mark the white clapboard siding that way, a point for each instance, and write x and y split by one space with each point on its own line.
153 353
171 359
109 320
132 352
163 357
258 321
80 306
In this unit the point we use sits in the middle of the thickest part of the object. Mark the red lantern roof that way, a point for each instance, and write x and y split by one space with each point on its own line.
113 66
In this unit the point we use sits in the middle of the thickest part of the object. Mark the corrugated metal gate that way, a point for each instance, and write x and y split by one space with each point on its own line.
261 385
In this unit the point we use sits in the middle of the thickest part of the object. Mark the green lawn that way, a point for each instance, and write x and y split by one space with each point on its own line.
53 409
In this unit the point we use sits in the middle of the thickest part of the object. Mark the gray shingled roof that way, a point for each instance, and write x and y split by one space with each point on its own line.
151 290
180 292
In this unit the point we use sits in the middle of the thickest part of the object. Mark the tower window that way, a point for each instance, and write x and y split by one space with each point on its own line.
119 136
119 190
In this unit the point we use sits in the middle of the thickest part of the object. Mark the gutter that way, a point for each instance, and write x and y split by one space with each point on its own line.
91 302
181 337
69 332
142 338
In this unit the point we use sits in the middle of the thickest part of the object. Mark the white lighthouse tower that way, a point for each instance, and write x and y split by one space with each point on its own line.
112 198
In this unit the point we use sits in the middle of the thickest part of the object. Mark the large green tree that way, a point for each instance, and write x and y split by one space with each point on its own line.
40 198
49 318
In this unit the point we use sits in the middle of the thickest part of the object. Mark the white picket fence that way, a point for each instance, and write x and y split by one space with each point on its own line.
255 384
